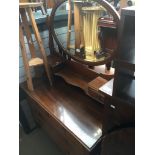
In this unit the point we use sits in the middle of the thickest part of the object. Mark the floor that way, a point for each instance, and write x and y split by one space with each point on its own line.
37 143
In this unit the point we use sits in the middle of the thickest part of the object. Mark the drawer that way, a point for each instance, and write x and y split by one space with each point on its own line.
120 142
57 126
96 95
76 147
59 134
92 93
38 112
57 137
117 113
54 129
42 115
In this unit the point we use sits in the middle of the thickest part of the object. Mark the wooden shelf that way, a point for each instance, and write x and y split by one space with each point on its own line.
97 83
93 89
35 62
77 75
73 78
80 75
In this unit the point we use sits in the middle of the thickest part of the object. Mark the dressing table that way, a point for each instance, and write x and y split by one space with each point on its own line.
71 111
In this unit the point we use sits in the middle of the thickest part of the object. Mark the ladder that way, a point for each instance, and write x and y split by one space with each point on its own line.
26 11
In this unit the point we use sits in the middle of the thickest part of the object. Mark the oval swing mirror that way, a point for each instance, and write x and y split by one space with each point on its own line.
86 30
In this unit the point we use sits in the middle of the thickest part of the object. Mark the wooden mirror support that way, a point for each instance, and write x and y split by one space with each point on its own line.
103 33
75 69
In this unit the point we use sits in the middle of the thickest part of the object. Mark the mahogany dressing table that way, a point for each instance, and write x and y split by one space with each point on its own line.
71 110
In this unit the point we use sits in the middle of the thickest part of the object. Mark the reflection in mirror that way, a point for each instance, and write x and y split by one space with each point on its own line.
78 25
61 24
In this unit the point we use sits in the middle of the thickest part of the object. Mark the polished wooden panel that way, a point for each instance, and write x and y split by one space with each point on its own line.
77 74
119 142
49 124
93 88
80 115
124 79
118 113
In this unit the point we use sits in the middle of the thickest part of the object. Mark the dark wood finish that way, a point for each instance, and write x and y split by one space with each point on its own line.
71 118
117 114
73 74
74 120
124 81
97 83
103 71
78 75
93 89
51 41
126 49
119 109
124 86
120 142
125 64
56 62
81 76
108 34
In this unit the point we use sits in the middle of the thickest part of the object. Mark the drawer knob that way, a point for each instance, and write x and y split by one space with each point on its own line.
112 106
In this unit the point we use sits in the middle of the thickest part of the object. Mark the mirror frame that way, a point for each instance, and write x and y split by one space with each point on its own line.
103 3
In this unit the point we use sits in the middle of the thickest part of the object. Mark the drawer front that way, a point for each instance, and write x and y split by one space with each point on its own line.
34 110
61 136
43 116
57 137
96 95
76 148
50 125
93 93
117 113
120 142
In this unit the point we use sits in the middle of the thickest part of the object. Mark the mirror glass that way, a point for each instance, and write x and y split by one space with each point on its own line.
82 27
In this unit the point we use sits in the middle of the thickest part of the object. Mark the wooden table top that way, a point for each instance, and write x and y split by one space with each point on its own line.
29 5
75 111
